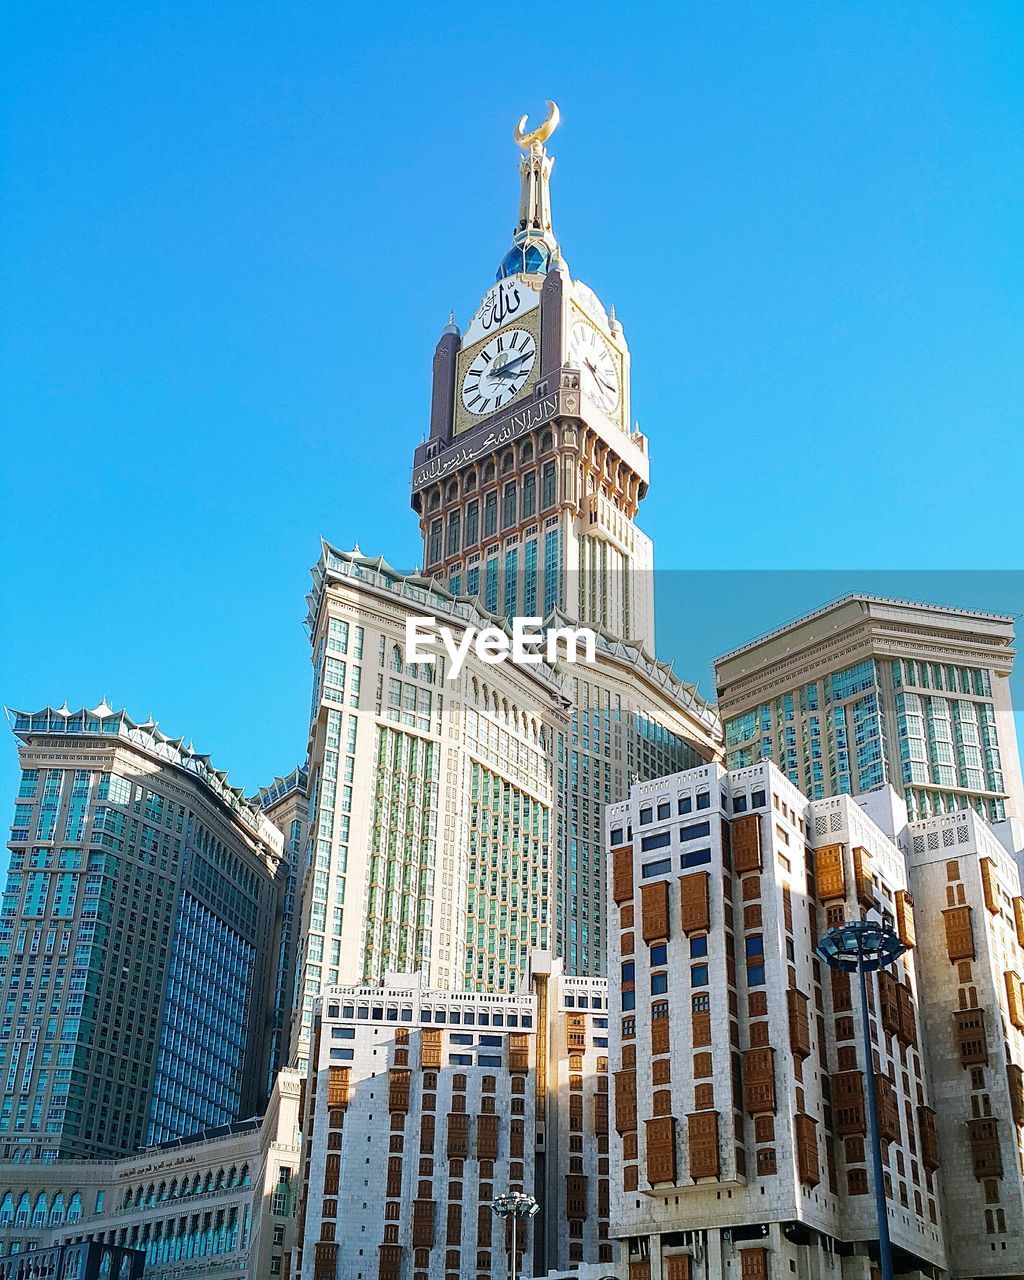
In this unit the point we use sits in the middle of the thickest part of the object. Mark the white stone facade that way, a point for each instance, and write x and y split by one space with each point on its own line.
731 1034
974 1033
424 1105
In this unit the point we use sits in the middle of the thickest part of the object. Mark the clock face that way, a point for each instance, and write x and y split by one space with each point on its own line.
599 369
499 371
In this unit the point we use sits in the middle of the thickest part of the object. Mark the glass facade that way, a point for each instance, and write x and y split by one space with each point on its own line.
400 891
127 916
944 754
203 1037
509 888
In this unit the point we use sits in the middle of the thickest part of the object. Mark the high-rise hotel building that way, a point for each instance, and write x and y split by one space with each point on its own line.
136 964
737 1058
868 691
455 824
286 804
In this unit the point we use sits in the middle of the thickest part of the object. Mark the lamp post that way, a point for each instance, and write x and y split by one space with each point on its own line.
864 946
515 1205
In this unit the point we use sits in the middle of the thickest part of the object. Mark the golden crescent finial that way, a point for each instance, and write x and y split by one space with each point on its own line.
539 135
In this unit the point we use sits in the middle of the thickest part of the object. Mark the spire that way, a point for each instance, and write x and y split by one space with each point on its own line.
534 247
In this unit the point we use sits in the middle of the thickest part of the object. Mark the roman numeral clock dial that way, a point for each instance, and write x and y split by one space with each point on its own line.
599 369
499 371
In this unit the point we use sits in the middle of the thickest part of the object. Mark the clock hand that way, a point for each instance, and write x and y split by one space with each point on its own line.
597 377
516 360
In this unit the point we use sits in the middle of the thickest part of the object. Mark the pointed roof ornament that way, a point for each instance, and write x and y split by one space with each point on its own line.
534 246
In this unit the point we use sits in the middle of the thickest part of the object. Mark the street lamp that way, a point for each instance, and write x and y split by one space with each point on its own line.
863 946
515 1205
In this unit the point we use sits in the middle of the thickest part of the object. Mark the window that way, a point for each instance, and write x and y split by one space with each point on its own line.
699 975
660 868
695 830
698 945
508 514
755 945
695 859
739 804
755 975
685 805
472 524
659 954
454 532
628 972
704 800
529 494
659 983
547 485
628 1001
646 816
434 543
664 809
659 840
757 800
490 514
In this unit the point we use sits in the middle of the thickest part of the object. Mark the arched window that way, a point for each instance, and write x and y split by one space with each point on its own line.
57 1208
39 1212
75 1208
6 1210
396 658
24 1209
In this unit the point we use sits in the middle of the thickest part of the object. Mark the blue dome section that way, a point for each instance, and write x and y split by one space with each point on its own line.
525 259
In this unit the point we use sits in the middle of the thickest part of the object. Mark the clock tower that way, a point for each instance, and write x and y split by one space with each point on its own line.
528 486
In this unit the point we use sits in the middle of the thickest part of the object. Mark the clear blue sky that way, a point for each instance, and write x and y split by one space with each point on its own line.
231 234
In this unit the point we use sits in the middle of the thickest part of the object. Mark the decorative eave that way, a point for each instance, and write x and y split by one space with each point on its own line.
854 597
296 781
428 595
103 721
434 597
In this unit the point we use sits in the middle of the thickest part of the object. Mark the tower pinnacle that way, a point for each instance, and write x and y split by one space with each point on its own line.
534 247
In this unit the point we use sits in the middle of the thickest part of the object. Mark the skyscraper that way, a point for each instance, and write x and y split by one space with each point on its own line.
454 824
287 806
527 491
135 958
868 691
